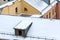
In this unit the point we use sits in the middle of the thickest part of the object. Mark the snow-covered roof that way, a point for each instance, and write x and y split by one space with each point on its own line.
44 28
35 16
39 5
49 7
24 24
51 1
7 4
7 24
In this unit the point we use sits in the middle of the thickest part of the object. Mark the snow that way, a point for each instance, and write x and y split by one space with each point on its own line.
7 4
41 28
7 24
39 5
52 1
35 16
17 37
45 28
23 24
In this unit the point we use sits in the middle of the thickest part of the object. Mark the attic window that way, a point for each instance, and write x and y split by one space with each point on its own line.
25 9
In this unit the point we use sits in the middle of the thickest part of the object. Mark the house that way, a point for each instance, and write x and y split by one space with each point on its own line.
47 9
40 29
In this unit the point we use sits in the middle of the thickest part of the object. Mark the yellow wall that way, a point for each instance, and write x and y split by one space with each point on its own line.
11 9
31 10
5 10
20 5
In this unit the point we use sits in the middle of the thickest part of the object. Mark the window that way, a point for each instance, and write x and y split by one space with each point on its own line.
50 15
20 32
53 12
25 9
46 16
16 10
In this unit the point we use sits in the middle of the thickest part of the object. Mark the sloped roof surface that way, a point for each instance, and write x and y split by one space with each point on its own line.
38 4
44 28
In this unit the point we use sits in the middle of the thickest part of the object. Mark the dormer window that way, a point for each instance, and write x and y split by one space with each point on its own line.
22 28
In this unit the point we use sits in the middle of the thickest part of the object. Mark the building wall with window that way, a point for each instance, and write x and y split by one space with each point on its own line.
14 9
20 7
28 9
51 13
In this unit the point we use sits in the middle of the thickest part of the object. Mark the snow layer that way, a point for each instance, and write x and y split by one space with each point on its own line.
39 5
44 28
23 24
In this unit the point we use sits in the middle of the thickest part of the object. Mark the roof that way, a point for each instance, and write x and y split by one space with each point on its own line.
48 0
7 4
51 1
35 16
49 7
23 24
3 2
39 5
41 28
8 23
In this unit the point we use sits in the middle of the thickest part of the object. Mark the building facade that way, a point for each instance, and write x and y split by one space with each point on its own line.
18 8
51 13
47 9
